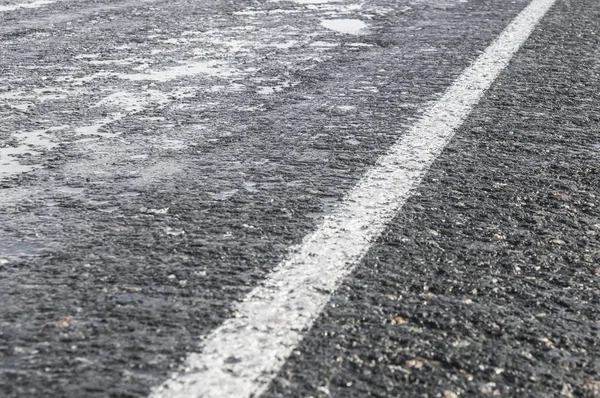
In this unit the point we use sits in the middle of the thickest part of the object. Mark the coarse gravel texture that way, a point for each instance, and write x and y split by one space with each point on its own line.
153 205
155 201
488 281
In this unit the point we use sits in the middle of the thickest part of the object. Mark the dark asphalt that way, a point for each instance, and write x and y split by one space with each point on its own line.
486 283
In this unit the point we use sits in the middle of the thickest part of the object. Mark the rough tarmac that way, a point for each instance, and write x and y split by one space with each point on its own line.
488 282
174 151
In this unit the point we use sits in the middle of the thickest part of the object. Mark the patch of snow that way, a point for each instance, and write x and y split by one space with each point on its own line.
348 26
211 68
35 4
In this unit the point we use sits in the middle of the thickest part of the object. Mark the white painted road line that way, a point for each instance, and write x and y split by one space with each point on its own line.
240 358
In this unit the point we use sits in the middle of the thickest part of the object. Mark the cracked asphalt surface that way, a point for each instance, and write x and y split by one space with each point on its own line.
158 159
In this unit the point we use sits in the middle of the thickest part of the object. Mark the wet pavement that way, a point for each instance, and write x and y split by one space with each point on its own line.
158 159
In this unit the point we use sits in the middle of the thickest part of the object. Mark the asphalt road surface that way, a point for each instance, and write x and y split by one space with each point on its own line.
299 198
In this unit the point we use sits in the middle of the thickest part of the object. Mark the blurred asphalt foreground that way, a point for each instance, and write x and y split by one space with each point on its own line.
159 159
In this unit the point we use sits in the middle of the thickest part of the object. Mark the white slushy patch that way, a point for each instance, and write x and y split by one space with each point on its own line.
348 26
241 357
133 102
120 104
315 1
32 4
9 160
284 45
30 144
39 139
95 128
267 90
308 2
211 68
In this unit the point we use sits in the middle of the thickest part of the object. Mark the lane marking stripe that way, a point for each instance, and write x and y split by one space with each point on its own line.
241 357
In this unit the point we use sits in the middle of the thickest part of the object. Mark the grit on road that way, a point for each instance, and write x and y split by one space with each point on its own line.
160 159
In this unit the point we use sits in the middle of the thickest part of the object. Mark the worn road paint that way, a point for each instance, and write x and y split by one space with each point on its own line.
240 358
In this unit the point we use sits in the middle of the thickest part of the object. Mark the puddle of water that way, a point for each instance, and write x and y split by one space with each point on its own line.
348 26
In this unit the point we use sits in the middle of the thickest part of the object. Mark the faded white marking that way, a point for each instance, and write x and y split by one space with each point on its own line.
240 358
